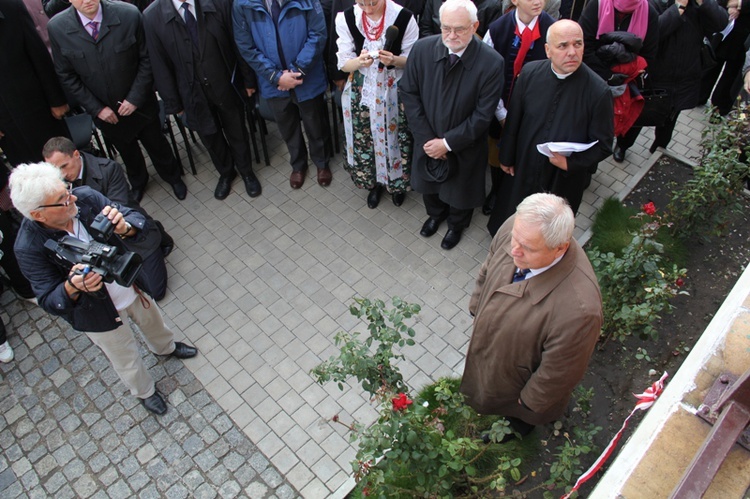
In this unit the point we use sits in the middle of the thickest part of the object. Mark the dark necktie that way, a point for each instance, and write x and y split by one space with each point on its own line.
94 29
77 182
275 10
520 275
453 59
191 23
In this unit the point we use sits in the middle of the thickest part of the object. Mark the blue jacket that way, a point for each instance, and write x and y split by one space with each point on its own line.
47 273
303 36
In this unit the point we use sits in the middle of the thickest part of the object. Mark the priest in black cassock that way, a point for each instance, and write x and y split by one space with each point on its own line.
557 100
450 89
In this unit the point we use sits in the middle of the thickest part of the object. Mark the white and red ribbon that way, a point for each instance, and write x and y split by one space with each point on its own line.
645 400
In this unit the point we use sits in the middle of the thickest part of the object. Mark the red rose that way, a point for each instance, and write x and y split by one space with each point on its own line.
649 209
401 402
335 418
680 282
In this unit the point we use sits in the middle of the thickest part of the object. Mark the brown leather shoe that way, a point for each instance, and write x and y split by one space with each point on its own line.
297 178
324 176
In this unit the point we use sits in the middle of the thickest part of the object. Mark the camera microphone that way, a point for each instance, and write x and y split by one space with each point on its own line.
390 37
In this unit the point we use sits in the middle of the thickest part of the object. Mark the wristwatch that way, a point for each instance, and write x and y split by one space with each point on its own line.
127 229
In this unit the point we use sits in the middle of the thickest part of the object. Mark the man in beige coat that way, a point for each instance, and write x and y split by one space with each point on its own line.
538 314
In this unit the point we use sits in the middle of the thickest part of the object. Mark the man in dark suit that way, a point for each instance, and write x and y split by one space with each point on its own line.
195 60
32 102
450 89
100 56
105 176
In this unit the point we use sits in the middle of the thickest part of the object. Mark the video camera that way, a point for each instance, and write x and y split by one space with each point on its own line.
108 261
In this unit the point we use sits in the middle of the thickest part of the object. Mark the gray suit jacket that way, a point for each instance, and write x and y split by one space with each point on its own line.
107 177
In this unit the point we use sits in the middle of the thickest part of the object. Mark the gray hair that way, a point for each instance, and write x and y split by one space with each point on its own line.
454 5
551 214
31 185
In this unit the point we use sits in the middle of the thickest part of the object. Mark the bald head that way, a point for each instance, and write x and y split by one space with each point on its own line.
564 46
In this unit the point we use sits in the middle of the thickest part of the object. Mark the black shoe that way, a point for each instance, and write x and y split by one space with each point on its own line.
252 185
619 154
183 351
398 198
223 187
155 403
653 148
167 249
137 193
373 199
430 227
489 203
180 189
451 239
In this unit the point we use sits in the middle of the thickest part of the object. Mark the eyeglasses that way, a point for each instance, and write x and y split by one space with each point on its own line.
447 30
67 201
371 3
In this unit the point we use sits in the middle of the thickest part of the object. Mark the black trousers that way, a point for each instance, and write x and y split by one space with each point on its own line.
662 134
158 150
8 261
727 88
626 141
458 219
288 112
229 147
153 276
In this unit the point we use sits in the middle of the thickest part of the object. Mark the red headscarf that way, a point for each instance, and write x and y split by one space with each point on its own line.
638 21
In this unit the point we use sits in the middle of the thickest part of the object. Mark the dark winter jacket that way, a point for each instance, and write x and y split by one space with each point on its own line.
47 273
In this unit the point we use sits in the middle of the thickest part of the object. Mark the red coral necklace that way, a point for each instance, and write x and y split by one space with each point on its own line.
377 30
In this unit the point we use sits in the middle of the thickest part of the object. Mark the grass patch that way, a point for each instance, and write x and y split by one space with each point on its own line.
614 226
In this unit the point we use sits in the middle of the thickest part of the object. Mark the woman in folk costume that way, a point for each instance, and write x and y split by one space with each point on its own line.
375 37
605 16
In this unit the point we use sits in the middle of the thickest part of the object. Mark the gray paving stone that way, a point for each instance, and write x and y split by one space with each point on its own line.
53 483
205 491
260 331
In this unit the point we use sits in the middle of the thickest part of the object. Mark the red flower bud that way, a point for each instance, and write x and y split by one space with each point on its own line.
335 418
680 282
649 208
401 402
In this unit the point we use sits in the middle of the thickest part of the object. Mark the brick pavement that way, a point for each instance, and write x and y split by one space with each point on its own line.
260 286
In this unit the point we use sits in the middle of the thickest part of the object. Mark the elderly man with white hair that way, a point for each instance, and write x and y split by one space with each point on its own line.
76 292
450 89
537 316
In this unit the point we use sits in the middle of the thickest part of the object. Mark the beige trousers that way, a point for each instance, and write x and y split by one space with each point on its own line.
121 347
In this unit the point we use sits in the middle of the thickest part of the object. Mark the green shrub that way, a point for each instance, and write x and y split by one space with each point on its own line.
703 206
637 285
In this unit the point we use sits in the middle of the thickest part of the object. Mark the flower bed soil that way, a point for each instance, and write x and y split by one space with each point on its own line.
614 372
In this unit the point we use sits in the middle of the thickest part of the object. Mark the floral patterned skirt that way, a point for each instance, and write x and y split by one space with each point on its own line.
370 144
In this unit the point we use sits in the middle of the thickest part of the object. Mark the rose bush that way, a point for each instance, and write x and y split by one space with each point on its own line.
636 285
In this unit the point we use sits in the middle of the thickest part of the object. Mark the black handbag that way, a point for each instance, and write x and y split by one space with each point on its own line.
657 108
708 51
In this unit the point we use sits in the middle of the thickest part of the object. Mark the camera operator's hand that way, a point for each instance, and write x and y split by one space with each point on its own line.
78 282
114 216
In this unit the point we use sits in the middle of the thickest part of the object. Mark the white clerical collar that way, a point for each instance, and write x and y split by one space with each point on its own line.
560 76
521 25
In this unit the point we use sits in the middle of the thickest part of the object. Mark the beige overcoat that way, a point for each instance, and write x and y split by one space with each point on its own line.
532 339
